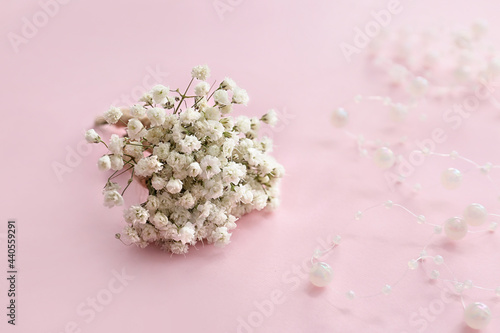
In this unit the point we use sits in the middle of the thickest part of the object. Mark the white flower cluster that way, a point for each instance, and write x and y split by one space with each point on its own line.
203 169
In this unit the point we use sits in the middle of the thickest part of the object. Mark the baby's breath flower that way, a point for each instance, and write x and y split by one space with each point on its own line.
92 137
201 72
113 115
104 163
221 97
202 88
240 96
202 168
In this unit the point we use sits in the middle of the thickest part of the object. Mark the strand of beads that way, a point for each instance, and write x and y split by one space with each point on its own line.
456 59
451 178
476 315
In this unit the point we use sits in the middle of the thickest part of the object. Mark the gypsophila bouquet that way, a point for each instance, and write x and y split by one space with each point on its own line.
203 168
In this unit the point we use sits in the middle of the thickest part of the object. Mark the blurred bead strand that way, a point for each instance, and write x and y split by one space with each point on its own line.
477 315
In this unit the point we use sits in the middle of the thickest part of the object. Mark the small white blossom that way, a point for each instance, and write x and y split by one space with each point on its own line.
174 186
210 166
149 233
157 116
270 118
243 124
189 144
137 111
221 97
186 234
202 88
240 96
116 145
116 162
113 115
104 163
194 169
228 84
201 72
159 93
147 166
112 198
158 182
189 116
220 236
134 127
136 215
92 137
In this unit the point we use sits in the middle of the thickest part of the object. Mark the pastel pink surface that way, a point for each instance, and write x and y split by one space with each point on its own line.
286 55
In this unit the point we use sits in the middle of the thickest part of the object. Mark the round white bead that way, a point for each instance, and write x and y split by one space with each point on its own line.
337 239
493 226
358 215
399 111
438 260
455 228
451 178
434 274
497 291
340 117
475 214
477 315
418 86
387 289
350 294
413 264
438 229
420 219
468 284
384 158
320 274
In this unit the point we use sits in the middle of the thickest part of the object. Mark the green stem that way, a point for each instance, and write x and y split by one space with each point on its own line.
184 95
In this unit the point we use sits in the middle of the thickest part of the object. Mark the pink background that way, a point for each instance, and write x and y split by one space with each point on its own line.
91 54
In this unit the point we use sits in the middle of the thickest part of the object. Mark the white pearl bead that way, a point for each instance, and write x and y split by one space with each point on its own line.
475 214
493 226
468 284
459 287
451 178
340 117
497 291
387 289
384 158
418 86
477 315
413 264
399 111
434 274
455 228
421 219
438 260
350 294
358 215
320 274
337 239
438 229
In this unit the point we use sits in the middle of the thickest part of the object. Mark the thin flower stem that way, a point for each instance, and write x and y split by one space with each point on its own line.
129 182
121 173
184 95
